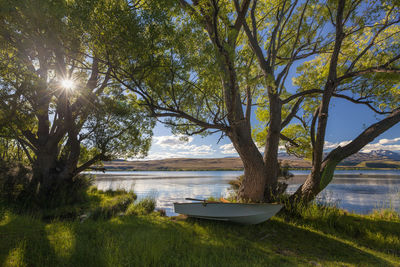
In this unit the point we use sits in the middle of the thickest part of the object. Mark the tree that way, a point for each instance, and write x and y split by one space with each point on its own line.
297 31
366 74
211 75
212 61
57 99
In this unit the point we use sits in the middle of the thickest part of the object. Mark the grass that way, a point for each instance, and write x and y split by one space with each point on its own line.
313 236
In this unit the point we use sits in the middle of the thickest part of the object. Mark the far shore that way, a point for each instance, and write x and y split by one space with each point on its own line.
294 179
116 169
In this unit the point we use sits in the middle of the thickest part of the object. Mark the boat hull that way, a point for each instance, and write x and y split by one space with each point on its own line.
235 212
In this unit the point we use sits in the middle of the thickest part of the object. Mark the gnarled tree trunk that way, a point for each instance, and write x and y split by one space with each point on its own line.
255 179
319 179
272 146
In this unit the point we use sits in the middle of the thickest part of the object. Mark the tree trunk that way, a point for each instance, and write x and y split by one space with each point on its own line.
52 176
319 171
253 185
258 172
319 179
272 146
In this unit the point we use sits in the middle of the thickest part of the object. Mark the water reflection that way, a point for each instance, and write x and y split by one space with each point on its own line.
348 190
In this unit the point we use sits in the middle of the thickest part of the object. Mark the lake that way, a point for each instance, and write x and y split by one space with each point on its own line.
356 191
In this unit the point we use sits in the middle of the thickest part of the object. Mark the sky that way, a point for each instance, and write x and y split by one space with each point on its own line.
346 121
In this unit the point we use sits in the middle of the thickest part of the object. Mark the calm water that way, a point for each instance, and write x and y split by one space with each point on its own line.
355 191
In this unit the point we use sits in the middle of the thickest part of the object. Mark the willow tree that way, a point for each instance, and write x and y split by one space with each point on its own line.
363 68
58 100
215 60
211 73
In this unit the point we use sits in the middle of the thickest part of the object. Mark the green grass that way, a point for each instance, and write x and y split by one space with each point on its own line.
315 236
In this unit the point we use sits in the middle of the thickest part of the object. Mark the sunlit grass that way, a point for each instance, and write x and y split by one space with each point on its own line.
61 239
16 255
317 235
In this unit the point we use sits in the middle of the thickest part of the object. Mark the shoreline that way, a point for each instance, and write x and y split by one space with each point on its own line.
240 169
128 176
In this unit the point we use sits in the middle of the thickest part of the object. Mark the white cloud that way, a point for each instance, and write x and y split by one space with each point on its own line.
328 145
158 156
172 141
382 144
198 150
228 149
177 146
368 148
389 141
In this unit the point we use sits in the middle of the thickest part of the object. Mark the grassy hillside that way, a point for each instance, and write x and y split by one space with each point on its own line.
232 164
190 164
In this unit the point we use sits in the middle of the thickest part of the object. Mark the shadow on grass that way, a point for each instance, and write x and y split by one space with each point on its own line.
378 234
155 241
24 242
291 241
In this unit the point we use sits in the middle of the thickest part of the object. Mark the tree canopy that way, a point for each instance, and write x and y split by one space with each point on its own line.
58 99
82 81
222 58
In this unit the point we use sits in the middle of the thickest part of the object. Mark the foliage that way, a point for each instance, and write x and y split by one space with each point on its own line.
357 73
235 184
371 38
113 206
11 150
97 204
58 102
14 181
143 207
15 185
132 60
381 165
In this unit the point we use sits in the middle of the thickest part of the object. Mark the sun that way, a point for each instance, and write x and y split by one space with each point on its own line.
68 84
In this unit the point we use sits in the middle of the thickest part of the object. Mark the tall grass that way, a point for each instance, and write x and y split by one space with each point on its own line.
143 207
320 236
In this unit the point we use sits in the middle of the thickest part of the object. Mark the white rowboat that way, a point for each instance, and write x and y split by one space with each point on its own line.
235 212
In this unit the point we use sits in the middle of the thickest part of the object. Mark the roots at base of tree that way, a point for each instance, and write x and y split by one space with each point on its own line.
272 193
55 193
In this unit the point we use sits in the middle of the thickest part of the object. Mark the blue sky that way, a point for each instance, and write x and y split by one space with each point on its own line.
346 121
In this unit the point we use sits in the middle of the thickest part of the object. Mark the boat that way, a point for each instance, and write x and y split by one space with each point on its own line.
244 213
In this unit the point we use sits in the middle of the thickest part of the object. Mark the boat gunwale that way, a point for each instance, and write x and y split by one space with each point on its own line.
224 216
202 203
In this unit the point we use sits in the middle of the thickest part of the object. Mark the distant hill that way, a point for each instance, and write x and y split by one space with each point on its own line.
374 159
177 164
375 155
386 154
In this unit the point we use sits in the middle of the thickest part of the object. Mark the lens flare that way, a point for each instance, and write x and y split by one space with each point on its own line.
68 84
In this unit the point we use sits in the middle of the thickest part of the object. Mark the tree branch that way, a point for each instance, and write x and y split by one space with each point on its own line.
292 113
287 139
367 136
302 93
361 102
379 69
89 163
